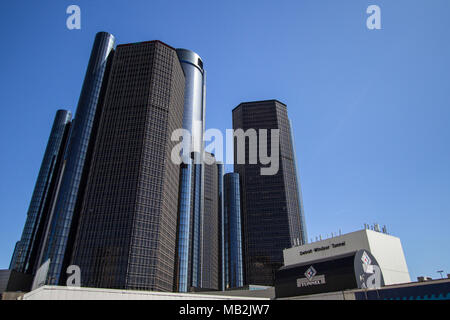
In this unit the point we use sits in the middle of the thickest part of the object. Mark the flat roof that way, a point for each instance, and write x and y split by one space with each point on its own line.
142 42
259 102
337 237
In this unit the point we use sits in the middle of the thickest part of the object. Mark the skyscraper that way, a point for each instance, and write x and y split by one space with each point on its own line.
220 212
190 208
64 212
25 253
233 269
272 211
195 97
210 227
127 231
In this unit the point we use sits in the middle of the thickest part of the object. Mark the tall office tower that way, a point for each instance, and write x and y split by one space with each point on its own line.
272 212
190 208
64 213
233 269
197 215
126 236
210 232
220 212
24 258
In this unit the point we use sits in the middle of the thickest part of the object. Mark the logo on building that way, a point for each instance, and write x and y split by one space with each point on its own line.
311 278
310 273
368 272
367 263
366 259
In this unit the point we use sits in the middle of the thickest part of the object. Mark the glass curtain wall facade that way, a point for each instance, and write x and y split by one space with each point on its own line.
183 230
272 216
24 257
190 212
196 247
221 234
233 273
210 238
126 237
76 157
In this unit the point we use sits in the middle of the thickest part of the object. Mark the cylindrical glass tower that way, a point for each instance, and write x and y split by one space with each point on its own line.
189 251
76 157
234 272
25 253
194 97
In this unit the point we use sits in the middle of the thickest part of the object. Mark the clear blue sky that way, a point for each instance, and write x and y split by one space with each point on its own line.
370 109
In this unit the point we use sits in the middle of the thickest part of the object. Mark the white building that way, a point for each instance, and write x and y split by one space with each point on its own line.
74 293
386 249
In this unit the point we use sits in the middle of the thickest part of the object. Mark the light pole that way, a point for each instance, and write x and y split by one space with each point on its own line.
441 272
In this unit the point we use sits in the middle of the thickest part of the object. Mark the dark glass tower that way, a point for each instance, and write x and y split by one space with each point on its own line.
126 237
63 216
233 269
272 212
24 258
210 228
220 212
190 209
196 243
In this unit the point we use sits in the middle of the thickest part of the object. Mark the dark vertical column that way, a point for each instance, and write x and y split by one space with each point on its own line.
272 212
220 172
63 212
196 229
24 255
210 238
